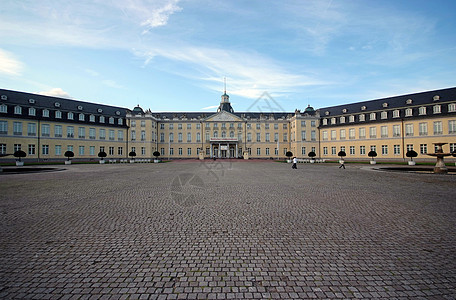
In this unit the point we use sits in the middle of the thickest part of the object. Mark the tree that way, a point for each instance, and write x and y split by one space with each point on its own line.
20 154
411 154
312 154
289 154
69 154
102 154
132 154
156 154
372 154
342 154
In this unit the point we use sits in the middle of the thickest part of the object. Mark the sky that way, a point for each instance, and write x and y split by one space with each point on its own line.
176 55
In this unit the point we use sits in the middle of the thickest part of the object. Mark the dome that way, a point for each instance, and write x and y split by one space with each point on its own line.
309 109
138 110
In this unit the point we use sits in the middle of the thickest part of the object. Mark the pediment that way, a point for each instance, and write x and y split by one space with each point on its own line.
223 116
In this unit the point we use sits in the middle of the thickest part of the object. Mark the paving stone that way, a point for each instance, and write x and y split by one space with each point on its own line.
257 231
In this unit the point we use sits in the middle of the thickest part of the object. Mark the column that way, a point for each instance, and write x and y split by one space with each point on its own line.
219 151
237 153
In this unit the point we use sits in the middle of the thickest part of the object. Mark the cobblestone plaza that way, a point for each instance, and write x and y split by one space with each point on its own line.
227 230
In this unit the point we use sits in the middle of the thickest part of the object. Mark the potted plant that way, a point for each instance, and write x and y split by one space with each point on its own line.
411 154
19 154
312 156
156 154
132 154
102 155
68 154
341 154
372 154
288 155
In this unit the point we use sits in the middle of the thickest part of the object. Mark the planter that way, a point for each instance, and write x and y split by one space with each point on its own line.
67 162
411 163
312 161
132 161
373 162
156 161
341 161
289 161
19 163
102 161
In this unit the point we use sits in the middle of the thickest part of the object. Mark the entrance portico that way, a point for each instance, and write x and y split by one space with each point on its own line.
224 147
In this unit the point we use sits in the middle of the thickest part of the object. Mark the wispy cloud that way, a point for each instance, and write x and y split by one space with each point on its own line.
56 92
9 64
209 107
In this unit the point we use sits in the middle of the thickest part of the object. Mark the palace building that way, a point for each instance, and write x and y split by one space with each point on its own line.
45 127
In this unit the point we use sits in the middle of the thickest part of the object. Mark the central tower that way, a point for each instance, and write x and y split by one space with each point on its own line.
225 104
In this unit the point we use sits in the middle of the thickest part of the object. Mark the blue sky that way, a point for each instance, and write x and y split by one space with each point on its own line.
171 55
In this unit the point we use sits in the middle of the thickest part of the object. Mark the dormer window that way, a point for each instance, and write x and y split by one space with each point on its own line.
342 120
58 114
436 98
344 110
32 101
384 115
92 118
4 97
362 117
102 119
372 116
327 113
18 110
80 107
70 116
363 107
325 121
408 112
57 104
437 109
452 107
99 110
333 121
120 121
3 108
46 113
351 119
118 113
396 113
81 117
385 105
111 120
422 111
409 101
32 111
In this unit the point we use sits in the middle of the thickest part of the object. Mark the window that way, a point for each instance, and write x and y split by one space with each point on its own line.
436 109
189 137
372 116
111 150
258 151
438 127
422 111
111 135
313 136
384 131
143 123
408 129
333 135
92 118
384 115
92 133
171 151
451 107
423 148
362 133
17 147
162 151
303 150
45 130
342 134
285 136
133 135
249 137
120 121
362 117
17 128
373 132
18 110
31 129
333 150
111 120
258 137
32 111
352 150
91 150
303 135
423 129
179 137
325 121
351 119
276 137
120 150
58 114
397 149
120 135
285 126
396 113
333 121
58 131
373 148
70 116
81 132
396 130
143 135
162 138
324 135
31 149
276 151
45 149
267 151
409 147
452 147
179 126
342 120
313 124
325 150
452 126
258 126
384 149
351 133
162 126
267 137
180 151
3 109
81 150
408 112
198 125
3 127
189 151
171 137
